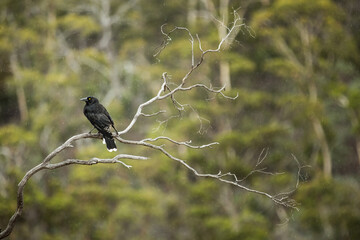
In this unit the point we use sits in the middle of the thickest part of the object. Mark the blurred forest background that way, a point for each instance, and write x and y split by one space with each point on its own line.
296 70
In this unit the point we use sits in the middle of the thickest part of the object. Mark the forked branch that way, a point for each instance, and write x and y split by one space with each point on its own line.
45 164
164 92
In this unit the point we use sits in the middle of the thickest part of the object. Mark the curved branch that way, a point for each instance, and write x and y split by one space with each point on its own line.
284 200
220 91
281 199
179 143
46 165
94 161
68 144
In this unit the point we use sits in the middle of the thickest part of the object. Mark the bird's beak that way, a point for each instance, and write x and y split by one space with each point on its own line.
83 99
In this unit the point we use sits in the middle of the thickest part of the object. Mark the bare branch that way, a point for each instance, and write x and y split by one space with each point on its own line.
152 114
164 122
46 165
180 87
285 195
281 199
164 92
220 91
187 143
95 161
68 144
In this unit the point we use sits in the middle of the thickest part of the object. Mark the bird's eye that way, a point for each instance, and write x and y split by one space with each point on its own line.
89 98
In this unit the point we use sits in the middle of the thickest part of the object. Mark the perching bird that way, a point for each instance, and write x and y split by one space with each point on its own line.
101 120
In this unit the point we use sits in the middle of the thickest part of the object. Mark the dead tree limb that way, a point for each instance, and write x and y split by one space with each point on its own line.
163 93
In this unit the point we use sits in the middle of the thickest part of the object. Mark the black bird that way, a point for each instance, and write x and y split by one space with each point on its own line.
101 120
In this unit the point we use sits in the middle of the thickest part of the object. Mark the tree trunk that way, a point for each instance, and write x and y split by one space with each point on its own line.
225 79
224 75
20 92
325 150
319 130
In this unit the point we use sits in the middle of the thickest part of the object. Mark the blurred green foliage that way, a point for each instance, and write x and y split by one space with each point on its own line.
295 70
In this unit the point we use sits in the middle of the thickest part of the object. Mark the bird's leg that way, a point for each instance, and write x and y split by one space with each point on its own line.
117 133
91 130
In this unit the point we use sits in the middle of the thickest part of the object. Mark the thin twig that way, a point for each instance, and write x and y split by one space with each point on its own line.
284 201
152 114
187 143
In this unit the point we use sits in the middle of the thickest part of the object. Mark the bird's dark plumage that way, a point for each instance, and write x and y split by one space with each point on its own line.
101 120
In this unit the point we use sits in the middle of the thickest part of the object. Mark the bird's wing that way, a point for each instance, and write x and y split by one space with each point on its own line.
107 114
101 109
99 120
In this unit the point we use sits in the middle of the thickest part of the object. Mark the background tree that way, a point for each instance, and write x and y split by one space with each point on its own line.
51 55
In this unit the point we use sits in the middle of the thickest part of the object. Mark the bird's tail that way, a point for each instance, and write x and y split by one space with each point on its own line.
110 143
